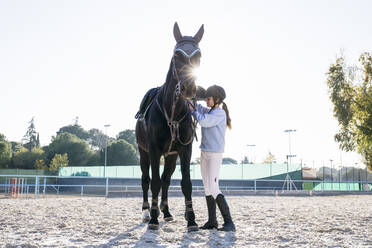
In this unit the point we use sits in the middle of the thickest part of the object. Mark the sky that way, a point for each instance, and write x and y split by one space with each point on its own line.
96 59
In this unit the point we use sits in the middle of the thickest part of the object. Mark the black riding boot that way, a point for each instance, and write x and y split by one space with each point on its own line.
212 220
228 224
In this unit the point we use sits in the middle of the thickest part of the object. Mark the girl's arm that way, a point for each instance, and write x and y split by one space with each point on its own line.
201 109
209 119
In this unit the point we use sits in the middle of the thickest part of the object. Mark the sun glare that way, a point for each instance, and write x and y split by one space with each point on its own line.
196 72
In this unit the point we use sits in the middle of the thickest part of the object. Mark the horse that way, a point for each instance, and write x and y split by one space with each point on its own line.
167 129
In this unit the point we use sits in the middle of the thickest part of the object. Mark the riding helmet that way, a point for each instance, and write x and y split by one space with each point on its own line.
216 91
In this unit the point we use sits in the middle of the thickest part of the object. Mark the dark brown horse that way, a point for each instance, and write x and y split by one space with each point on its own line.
166 129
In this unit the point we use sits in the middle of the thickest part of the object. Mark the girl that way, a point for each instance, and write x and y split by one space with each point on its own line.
213 121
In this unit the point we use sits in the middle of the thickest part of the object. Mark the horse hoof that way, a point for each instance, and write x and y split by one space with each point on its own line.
145 216
153 226
192 228
167 219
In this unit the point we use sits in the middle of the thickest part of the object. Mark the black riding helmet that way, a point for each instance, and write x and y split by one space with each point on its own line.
217 92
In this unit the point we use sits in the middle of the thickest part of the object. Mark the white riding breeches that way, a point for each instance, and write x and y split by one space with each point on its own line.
210 163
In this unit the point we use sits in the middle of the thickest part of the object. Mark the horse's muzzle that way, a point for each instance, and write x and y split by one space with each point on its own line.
188 90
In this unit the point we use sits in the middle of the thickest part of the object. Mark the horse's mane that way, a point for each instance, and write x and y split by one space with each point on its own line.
169 74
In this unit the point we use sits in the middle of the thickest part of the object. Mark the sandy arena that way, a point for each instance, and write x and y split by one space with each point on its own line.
339 221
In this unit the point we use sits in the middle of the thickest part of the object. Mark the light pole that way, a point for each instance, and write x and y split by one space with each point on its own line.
366 169
289 156
104 170
289 131
339 178
339 174
346 175
288 179
250 155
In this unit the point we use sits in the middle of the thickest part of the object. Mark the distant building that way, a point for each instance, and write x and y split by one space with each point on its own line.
308 173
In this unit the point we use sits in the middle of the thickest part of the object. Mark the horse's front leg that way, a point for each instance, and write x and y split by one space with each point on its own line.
155 189
186 185
169 167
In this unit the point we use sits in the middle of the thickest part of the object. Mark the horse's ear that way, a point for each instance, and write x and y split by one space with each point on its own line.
176 32
199 34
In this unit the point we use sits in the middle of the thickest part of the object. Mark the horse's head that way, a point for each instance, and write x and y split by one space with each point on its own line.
186 59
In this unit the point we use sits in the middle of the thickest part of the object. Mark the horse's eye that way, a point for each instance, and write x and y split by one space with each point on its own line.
178 54
180 57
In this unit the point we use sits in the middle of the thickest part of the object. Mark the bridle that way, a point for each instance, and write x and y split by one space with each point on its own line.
175 73
183 47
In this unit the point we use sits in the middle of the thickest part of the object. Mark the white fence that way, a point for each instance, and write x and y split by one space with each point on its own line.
35 185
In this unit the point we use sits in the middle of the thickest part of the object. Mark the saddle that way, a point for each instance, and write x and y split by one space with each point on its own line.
147 101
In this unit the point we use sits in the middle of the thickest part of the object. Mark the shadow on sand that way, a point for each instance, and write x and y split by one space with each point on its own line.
150 238
117 241
215 239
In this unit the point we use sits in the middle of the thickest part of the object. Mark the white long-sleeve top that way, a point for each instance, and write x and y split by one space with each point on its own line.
213 125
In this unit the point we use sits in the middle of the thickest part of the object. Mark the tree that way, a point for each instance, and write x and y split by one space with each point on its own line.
78 151
95 159
270 159
97 139
58 161
40 165
25 159
75 129
5 152
129 136
229 161
16 146
120 152
351 94
31 137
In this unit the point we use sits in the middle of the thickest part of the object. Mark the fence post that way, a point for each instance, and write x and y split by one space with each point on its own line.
36 186
255 186
7 185
107 184
44 186
82 190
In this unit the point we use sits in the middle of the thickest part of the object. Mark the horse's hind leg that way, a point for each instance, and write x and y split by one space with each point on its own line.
169 167
145 165
155 189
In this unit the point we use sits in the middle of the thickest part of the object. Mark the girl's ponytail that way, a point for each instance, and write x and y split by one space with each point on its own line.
228 119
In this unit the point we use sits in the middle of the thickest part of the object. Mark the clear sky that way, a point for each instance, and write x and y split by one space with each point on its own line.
96 59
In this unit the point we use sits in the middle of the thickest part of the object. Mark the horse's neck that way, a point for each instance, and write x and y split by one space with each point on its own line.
168 98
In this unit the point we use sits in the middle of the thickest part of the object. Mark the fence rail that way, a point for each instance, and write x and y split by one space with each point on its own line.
37 185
